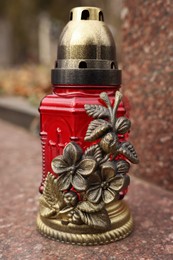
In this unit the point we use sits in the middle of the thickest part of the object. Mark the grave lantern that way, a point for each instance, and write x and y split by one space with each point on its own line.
84 134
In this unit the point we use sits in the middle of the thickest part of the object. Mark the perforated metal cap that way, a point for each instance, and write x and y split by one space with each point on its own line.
86 51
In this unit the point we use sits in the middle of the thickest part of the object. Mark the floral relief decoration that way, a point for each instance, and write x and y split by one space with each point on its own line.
84 182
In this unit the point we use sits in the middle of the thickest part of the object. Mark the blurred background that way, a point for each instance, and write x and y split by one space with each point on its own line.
28 44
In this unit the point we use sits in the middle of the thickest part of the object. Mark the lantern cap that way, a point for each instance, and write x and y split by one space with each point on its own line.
86 51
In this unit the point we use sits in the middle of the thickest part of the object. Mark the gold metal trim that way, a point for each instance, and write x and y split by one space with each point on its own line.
121 227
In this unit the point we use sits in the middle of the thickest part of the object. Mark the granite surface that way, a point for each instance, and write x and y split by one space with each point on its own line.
20 175
148 83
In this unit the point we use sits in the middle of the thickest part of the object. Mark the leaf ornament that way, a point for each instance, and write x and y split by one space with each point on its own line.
127 149
96 129
98 220
118 98
122 125
97 111
122 167
105 98
51 193
45 210
94 151
89 207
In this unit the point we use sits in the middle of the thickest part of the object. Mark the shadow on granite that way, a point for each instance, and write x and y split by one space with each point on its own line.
20 175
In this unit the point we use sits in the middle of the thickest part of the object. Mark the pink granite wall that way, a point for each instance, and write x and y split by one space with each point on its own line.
148 82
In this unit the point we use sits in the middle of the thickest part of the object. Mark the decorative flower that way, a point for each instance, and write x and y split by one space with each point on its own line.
107 184
70 198
72 168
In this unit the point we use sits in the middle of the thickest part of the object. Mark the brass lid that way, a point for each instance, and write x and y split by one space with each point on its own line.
86 49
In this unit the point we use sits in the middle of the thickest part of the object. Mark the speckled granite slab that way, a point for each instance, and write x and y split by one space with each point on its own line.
20 175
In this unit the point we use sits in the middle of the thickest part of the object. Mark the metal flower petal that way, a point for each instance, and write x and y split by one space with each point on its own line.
86 167
95 179
79 183
108 195
72 153
108 170
117 183
64 181
94 194
59 166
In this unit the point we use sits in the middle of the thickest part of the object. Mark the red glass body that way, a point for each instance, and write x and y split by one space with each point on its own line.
64 119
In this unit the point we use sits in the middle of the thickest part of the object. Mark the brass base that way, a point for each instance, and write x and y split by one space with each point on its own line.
121 227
